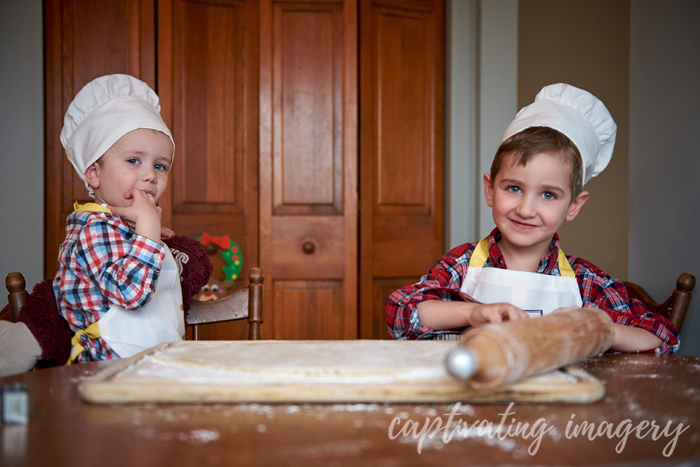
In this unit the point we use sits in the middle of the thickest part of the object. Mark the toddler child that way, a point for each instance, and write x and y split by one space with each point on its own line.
117 284
552 148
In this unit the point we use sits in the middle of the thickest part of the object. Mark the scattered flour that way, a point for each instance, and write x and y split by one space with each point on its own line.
200 436
355 408
203 436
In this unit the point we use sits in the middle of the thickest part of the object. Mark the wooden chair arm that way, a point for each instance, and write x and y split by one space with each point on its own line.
680 299
675 307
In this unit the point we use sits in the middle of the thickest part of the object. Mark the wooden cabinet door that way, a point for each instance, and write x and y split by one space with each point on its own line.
85 39
401 149
208 85
308 168
262 100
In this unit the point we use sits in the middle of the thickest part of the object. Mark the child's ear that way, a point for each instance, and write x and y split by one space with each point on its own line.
576 205
92 175
488 190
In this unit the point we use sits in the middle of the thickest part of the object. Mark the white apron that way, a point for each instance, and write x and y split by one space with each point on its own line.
129 332
536 294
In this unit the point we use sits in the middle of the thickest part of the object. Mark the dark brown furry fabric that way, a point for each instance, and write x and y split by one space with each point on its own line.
51 330
195 266
40 314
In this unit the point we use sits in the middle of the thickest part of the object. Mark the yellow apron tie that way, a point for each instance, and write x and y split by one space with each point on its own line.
481 254
94 207
93 331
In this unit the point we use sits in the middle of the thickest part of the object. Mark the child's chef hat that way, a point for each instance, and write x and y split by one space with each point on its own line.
578 114
103 111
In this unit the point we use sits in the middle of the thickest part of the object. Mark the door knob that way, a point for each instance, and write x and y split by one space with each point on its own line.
308 248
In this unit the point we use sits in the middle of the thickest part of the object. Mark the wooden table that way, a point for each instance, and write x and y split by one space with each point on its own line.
63 430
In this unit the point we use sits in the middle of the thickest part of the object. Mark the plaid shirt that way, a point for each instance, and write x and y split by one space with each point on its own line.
103 262
444 281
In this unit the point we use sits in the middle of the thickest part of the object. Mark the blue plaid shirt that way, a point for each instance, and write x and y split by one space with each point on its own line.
102 262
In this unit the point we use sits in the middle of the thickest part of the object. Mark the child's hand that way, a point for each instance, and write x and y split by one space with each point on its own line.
438 314
143 212
496 313
166 233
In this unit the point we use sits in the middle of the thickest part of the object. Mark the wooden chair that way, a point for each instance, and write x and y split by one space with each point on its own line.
675 307
245 303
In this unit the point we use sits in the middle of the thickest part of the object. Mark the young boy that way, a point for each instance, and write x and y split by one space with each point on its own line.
551 149
117 284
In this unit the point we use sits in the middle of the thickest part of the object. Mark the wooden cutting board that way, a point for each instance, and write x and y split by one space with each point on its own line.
315 371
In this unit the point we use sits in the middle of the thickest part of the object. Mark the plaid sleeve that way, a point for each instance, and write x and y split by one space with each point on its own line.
601 291
443 282
125 270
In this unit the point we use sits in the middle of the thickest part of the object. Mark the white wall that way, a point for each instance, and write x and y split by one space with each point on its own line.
664 182
480 102
21 139
461 58
498 90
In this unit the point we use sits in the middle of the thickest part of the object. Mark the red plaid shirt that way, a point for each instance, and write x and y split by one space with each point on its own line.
103 261
444 281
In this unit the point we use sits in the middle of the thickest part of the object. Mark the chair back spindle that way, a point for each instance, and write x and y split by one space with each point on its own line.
16 286
255 304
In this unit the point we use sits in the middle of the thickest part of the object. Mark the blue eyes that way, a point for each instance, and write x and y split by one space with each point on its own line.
158 166
517 190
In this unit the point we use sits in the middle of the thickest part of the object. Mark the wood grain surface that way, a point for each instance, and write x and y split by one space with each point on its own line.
639 388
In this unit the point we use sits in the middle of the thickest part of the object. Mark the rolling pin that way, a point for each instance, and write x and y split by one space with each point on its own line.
502 353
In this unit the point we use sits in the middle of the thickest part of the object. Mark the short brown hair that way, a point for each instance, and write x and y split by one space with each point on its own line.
537 140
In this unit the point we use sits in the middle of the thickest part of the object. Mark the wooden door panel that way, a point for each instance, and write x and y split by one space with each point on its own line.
409 254
85 39
401 149
308 309
208 85
209 108
309 246
308 167
403 113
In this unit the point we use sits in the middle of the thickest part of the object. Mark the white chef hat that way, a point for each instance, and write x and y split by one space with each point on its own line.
578 114
103 111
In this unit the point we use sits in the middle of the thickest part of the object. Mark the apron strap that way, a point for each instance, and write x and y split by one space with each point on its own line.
481 254
93 207
92 331
565 269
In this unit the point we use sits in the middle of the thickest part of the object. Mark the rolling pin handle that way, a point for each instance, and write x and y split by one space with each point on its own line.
461 363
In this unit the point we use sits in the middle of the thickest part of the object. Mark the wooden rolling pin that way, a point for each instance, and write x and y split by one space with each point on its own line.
497 354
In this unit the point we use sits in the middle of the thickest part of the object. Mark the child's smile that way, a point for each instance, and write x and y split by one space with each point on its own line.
530 202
